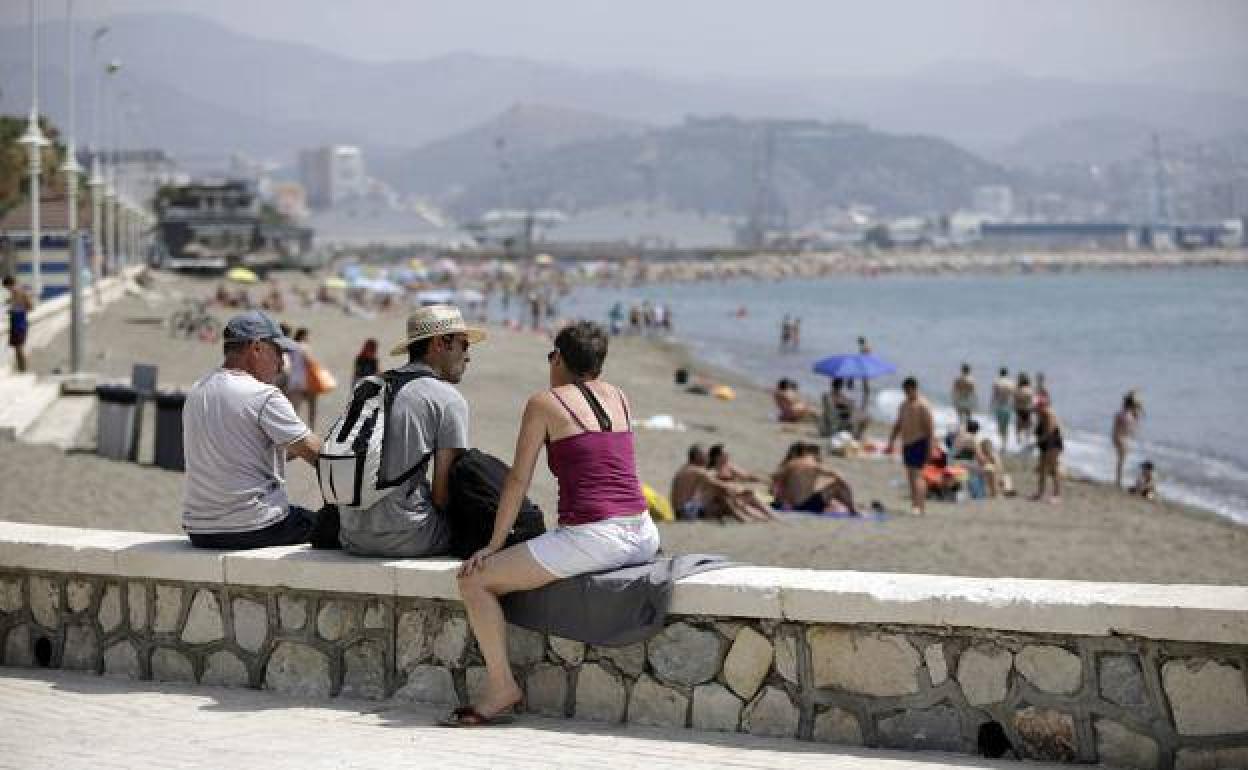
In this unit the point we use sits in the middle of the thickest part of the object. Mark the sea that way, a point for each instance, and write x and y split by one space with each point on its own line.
1180 338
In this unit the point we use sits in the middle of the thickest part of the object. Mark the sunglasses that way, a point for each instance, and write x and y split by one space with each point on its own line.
550 357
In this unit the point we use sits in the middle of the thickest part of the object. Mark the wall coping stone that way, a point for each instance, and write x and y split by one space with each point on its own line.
1199 613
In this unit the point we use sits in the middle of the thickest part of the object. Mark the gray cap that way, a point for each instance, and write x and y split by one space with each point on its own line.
254 325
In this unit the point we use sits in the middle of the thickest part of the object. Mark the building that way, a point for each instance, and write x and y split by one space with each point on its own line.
1059 235
54 256
138 174
331 175
993 201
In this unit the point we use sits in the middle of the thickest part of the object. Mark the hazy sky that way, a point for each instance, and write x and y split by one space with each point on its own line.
1095 39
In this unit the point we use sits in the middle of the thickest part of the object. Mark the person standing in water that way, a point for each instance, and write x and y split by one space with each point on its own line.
1003 404
1125 423
965 400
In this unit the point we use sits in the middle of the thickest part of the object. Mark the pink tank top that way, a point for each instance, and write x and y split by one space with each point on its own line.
597 473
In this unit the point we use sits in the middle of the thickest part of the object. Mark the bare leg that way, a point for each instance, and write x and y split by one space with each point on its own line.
511 569
20 353
312 413
1121 449
1053 462
918 490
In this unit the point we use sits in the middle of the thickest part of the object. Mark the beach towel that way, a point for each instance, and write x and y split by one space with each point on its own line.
610 609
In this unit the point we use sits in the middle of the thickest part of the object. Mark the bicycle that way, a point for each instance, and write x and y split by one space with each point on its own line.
194 320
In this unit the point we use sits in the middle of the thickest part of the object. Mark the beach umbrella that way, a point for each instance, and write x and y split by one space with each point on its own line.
435 296
241 275
544 259
334 282
859 366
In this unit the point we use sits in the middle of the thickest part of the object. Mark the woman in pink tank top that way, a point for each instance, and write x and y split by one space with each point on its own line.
583 422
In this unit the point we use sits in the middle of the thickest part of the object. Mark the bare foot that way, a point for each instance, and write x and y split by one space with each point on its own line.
492 704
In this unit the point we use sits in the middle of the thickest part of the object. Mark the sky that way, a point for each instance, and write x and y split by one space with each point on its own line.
1082 39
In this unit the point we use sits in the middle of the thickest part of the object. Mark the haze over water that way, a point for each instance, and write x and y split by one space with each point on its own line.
1180 337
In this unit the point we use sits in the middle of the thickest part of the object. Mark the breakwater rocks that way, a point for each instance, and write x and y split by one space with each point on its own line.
1119 700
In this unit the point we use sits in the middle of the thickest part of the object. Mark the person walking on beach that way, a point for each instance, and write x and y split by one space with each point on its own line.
916 428
366 363
965 400
427 424
19 320
1003 404
1024 405
1049 444
237 430
308 392
1125 423
583 421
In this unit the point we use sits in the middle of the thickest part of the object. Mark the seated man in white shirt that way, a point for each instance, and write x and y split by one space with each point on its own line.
237 431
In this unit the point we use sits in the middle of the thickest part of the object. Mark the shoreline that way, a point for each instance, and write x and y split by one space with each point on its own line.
1097 534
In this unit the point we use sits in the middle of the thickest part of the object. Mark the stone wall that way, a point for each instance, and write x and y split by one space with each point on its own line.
1124 701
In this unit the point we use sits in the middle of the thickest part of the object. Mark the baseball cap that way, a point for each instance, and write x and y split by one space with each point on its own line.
254 325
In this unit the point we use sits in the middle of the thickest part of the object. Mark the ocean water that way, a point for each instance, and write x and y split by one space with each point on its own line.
1179 337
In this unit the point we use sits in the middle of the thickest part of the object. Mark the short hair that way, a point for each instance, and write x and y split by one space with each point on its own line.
301 334
583 347
285 327
838 383
235 345
696 452
909 383
966 368
1004 372
8 281
972 426
712 456
1023 379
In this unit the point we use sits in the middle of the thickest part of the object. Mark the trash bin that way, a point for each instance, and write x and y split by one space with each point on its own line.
168 448
116 421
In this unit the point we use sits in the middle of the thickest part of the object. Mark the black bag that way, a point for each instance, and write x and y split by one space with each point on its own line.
476 484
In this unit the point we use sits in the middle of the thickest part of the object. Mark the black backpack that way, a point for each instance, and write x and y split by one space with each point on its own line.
476 483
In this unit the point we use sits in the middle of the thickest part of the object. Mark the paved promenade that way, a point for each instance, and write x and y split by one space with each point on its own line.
72 720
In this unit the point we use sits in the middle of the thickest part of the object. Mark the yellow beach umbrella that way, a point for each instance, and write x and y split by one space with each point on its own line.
416 263
334 282
242 275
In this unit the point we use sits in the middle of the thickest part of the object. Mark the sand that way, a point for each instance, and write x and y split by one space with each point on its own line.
1096 534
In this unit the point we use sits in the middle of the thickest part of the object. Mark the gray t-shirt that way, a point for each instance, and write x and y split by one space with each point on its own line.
235 430
427 414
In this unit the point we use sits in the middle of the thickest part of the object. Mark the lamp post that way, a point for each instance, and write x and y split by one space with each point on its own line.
71 170
35 142
111 204
96 182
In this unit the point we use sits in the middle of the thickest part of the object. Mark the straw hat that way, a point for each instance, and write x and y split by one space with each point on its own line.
434 321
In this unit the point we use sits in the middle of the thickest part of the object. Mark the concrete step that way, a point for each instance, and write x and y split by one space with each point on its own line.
24 406
61 423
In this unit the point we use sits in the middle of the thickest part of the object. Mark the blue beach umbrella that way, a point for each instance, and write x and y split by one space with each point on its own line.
859 366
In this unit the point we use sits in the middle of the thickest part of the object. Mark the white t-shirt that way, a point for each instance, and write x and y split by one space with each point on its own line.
235 430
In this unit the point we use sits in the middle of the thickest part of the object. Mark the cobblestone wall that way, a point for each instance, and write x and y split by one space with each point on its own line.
1120 701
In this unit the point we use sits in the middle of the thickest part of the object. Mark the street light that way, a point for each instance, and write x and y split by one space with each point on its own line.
71 170
96 183
35 142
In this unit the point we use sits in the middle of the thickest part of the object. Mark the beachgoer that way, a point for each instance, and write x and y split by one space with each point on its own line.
1146 484
838 411
19 319
1049 444
309 394
916 428
1003 404
603 518
989 466
786 334
864 348
964 440
427 424
366 363
965 400
1125 422
718 462
697 493
804 483
792 407
795 339
1024 406
237 430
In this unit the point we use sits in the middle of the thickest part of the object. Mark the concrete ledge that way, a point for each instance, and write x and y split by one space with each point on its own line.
1195 613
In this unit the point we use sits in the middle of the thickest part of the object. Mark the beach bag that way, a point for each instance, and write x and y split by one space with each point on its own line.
320 380
349 465
658 505
476 484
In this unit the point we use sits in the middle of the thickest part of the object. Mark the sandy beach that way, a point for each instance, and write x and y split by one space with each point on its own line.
1096 534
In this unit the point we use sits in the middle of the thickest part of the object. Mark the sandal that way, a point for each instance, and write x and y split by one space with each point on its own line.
468 716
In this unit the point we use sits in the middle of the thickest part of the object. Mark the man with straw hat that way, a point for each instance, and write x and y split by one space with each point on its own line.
427 423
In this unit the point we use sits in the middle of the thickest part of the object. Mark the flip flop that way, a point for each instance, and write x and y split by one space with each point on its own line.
467 716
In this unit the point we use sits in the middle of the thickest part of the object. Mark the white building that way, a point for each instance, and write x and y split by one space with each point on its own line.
332 175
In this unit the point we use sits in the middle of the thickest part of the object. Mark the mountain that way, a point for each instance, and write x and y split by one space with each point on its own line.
1088 141
719 164
515 136
199 87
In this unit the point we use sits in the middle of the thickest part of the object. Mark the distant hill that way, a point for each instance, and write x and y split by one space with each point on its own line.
515 137
1096 140
715 164
198 88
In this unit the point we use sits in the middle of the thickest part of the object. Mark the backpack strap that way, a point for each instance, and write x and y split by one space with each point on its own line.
393 381
604 420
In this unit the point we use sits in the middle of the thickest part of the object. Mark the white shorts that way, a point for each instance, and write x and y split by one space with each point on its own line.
597 546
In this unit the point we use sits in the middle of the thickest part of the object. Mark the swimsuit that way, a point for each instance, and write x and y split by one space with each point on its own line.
915 454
